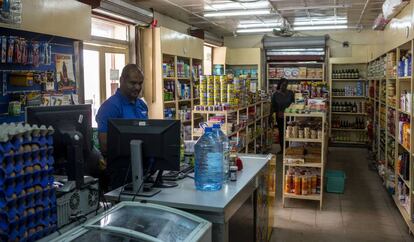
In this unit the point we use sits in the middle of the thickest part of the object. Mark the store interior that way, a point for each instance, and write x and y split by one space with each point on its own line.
206 120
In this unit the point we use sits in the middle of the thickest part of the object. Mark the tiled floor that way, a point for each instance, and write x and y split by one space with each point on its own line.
365 212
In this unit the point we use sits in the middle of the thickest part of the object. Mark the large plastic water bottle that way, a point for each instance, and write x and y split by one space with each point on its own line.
226 150
208 171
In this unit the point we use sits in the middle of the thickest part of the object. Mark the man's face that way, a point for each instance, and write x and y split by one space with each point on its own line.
283 86
132 85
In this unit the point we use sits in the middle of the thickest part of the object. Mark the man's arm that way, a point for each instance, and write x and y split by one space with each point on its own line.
106 112
103 143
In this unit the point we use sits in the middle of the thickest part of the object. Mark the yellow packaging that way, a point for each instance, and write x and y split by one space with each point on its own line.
302 72
217 87
203 90
223 91
210 90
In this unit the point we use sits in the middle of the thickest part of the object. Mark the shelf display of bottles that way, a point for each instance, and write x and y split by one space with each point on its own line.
391 114
404 64
347 137
311 89
303 181
169 113
183 68
357 90
349 107
404 131
169 91
247 70
184 91
168 68
377 68
406 101
358 123
346 74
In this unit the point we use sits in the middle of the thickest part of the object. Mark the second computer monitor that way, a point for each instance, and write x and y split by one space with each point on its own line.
161 142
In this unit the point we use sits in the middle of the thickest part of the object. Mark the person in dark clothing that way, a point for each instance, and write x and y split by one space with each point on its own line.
281 99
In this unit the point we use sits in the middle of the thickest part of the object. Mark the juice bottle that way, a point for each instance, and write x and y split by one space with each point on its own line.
297 184
304 185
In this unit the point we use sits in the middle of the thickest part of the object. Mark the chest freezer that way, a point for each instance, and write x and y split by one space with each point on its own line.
140 222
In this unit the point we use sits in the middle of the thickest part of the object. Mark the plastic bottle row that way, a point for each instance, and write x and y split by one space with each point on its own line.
39 223
16 184
9 165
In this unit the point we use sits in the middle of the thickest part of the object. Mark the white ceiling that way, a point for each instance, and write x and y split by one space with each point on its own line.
355 13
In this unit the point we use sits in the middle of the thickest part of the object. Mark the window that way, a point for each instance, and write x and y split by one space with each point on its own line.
108 29
103 61
208 60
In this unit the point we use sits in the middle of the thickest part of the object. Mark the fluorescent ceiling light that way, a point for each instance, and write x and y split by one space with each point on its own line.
260 25
319 22
321 27
255 30
236 6
237 13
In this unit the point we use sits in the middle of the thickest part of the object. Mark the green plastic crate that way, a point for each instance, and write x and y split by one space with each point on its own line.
335 181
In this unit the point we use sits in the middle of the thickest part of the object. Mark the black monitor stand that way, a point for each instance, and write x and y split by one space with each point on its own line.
139 188
75 161
160 183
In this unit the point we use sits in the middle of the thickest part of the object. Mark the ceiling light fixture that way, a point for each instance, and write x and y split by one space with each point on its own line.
320 22
238 13
320 27
255 30
314 7
259 25
236 6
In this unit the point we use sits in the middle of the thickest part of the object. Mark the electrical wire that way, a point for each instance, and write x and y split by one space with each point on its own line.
125 183
146 175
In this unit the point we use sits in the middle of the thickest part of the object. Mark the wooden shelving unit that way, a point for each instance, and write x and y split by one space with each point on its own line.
355 93
389 91
274 72
252 134
169 65
323 156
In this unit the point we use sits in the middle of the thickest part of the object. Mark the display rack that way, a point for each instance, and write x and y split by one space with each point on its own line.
295 72
301 161
180 89
247 135
393 86
348 117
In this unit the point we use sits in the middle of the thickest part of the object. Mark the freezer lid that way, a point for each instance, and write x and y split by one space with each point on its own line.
157 222
105 236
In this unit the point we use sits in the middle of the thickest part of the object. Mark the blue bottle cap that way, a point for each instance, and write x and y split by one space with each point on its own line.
208 130
216 126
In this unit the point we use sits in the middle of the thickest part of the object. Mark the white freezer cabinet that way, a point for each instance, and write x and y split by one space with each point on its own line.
141 222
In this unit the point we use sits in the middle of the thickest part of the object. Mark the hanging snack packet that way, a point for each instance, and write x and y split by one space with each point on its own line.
3 49
17 51
36 53
10 49
42 48
24 52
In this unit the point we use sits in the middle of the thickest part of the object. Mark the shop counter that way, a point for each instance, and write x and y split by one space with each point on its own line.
238 211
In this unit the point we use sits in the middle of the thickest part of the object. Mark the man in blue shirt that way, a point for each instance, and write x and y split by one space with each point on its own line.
125 103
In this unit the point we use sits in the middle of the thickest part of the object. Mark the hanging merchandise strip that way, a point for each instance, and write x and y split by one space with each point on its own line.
29 72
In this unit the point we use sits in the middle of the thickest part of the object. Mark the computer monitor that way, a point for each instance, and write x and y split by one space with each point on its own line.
72 138
160 148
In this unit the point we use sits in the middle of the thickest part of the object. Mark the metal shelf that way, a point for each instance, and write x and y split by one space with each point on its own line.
349 97
346 80
317 165
316 197
350 130
304 140
349 113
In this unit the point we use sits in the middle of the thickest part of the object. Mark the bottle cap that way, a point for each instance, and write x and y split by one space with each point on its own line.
216 126
208 129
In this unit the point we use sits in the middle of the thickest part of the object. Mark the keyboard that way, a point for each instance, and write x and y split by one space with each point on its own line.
178 175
